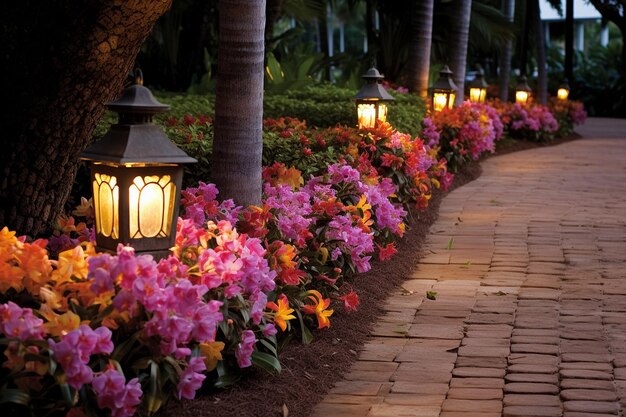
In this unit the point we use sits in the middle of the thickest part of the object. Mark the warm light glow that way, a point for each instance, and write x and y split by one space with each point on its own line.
521 96
562 93
440 100
382 112
477 95
367 115
106 194
151 202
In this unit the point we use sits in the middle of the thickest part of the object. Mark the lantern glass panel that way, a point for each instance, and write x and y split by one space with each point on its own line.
367 115
151 203
106 193
477 94
382 112
440 101
521 97
562 93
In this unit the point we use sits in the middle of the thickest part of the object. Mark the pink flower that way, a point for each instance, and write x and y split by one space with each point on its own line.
20 322
113 393
191 378
244 351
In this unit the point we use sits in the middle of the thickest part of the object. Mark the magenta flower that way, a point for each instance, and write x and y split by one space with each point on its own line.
191 378
20 322
113 393
244 351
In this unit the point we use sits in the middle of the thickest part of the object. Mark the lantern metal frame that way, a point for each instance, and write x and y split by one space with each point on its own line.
444 88
132 152
523 92
373 94
562 93
478 87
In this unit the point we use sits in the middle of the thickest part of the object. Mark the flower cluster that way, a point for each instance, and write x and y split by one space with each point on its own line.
531 122
466 132
568 113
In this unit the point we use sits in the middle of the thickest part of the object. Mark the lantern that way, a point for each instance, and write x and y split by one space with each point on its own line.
523 92
563 92
371 100
136 175
444 90
478 88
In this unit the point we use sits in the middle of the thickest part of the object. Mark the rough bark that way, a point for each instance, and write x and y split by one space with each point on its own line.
569 39
507 54
421 41
458 38
542 66
62 62
238 144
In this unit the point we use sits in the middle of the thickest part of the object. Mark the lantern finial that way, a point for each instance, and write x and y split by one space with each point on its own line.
138 76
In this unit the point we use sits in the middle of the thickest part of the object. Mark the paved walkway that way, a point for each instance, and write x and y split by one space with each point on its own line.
529 266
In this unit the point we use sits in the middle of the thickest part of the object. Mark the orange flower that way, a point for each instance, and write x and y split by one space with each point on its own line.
34 262
7 240
212 353
71 263
319 308
85 209
282 311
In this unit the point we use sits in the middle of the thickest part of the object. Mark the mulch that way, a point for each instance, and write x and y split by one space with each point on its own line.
310 371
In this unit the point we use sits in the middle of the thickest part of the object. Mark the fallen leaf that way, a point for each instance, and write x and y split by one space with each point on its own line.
431 295
285 411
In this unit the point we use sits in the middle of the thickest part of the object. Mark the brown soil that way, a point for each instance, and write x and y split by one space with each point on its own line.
310 371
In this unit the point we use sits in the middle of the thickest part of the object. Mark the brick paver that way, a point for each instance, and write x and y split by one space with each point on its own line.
529 264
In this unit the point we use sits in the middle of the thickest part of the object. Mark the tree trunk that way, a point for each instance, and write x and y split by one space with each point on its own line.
524 41
62 62
507 53
419 52
569 39
542 67
273 12
238 142
458 37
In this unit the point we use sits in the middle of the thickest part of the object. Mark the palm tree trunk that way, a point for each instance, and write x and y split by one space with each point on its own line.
542 71
458 38
421 41
507 53
58 82
238 142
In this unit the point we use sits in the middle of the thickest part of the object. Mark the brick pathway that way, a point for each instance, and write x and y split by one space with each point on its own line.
529 266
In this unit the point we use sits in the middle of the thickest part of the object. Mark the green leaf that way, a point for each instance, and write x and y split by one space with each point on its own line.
269 346
266 361
307 337
14 395
431 295
153 402
450 243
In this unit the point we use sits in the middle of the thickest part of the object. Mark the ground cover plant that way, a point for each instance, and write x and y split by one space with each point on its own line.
91 332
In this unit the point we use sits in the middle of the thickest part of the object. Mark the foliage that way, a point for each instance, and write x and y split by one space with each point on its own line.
532 121
465 132
567 113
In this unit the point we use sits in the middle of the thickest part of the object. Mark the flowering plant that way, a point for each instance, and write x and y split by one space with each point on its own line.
531 122
568 113
465 132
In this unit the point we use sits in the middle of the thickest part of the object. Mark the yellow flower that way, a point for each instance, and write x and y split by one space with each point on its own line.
71 263
282 311
60 324
212 353
85 209
7 240
319 308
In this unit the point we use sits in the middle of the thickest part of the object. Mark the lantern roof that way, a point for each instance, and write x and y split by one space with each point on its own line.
445 82
479 81
373 88
522 84
134 139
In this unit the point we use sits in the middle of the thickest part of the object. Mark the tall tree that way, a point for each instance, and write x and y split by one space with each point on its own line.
62 62
458 38
238 142
540 42
419 50
506 55
614 11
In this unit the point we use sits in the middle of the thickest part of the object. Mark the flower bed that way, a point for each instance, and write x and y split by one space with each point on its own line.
91 331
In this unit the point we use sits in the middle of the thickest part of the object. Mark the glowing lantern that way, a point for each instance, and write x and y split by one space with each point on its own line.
444 90
523 92
478 88
371 100
136 175
563 92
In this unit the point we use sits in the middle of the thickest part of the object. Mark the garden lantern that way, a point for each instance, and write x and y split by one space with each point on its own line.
444 90
563 92
371 100
136 175
478 88
523 92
